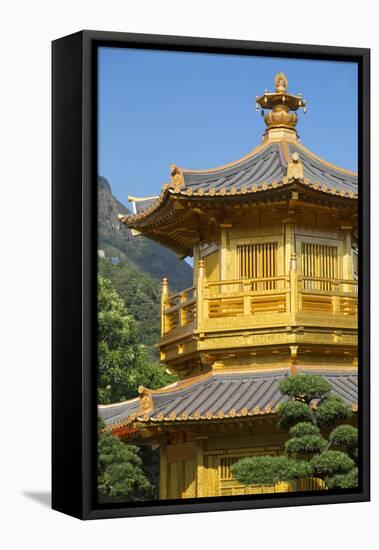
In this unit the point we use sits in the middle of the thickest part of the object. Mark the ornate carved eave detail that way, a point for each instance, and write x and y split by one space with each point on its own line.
177 179
295 167
146 402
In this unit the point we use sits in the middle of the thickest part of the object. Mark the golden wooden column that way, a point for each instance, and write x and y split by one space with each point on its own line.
196 259
164 300
294 286
224 254
201 303
201 489
163 472
347 259
289 245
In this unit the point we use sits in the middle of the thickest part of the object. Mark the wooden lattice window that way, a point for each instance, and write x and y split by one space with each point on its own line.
318 264
226 467
226 463
258 261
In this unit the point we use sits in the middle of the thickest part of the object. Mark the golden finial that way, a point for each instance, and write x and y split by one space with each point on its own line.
280 104
281 82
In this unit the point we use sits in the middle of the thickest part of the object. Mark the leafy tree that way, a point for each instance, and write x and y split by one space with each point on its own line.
123 363
308 452
142 297
120 471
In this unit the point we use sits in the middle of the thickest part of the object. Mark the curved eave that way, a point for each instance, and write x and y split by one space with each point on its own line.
265 169
251 190
133 221
136 423
214 397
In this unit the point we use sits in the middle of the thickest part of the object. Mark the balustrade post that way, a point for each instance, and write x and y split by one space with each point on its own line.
246 298
182 311
164 301
201 304
294 285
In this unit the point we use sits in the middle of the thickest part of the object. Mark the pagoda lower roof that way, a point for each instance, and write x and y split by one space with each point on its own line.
265 168
217 396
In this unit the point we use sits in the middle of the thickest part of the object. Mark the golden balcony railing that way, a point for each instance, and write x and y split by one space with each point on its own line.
178 309
271 296
246 296
332 296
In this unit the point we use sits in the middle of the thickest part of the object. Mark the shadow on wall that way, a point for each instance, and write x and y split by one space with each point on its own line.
42 497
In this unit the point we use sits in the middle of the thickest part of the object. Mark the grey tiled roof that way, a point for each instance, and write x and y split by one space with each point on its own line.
144 204
267 166
323 174
225 395
118 411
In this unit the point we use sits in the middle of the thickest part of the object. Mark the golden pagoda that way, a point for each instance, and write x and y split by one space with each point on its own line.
273 237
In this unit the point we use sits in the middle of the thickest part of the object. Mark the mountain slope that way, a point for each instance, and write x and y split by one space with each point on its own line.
136 266
151 258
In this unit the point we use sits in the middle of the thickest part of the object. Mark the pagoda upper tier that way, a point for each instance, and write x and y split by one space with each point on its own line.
269 173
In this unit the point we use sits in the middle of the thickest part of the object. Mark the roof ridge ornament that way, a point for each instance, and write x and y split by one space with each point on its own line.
295 167
146 402
281 105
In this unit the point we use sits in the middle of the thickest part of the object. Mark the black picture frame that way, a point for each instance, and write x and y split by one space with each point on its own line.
74 151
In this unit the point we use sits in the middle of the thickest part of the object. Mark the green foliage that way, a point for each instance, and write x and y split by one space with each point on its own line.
267 470
120 474
129 315
344 436
123 363
150 465
335 467
306 444
332 410
294 411
305 438
343 481
303 429
305 387
141 295
332 462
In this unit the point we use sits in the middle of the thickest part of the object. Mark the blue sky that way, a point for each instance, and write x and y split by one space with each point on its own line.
198 111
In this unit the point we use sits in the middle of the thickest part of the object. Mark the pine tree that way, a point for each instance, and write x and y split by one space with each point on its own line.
310 410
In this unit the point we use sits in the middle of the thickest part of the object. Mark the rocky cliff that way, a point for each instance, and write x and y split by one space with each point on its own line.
117 241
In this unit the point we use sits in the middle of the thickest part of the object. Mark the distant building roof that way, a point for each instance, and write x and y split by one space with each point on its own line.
218 396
